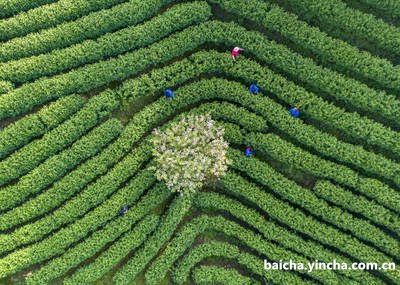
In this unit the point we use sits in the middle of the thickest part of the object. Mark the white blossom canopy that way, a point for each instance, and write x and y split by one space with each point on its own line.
190 154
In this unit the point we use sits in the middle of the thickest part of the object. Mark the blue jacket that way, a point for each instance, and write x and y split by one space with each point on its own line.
248 152
253 88
294 113
123 210
168 93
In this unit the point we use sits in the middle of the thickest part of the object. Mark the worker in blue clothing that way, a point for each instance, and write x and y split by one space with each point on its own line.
294 112
168 93
253 88
248 152
123 210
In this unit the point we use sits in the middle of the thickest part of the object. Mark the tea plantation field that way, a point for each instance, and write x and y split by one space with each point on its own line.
81 90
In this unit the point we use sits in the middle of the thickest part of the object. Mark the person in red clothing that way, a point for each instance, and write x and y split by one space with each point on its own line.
235 52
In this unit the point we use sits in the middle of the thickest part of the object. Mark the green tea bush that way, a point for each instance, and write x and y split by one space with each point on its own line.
49 15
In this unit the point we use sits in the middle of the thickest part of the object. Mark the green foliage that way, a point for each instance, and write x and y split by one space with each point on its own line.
232 253
49 15
186 236
101 188
88 27
331 51
72 183
117 251
78 178
209 201
231 113
174 215
67 169
358 204
190 154
108 45
389 8
90 197
277 116
111 231
57 243
33 126
296 157
336 17
323 143
50 171
5 86
261 173
28 157
300 222
11 7
94 75
343 89
213 274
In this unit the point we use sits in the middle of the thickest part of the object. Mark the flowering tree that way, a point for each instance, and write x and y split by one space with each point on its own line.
190 154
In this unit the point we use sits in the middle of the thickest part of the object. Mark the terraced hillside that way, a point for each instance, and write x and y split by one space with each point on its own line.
81 89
